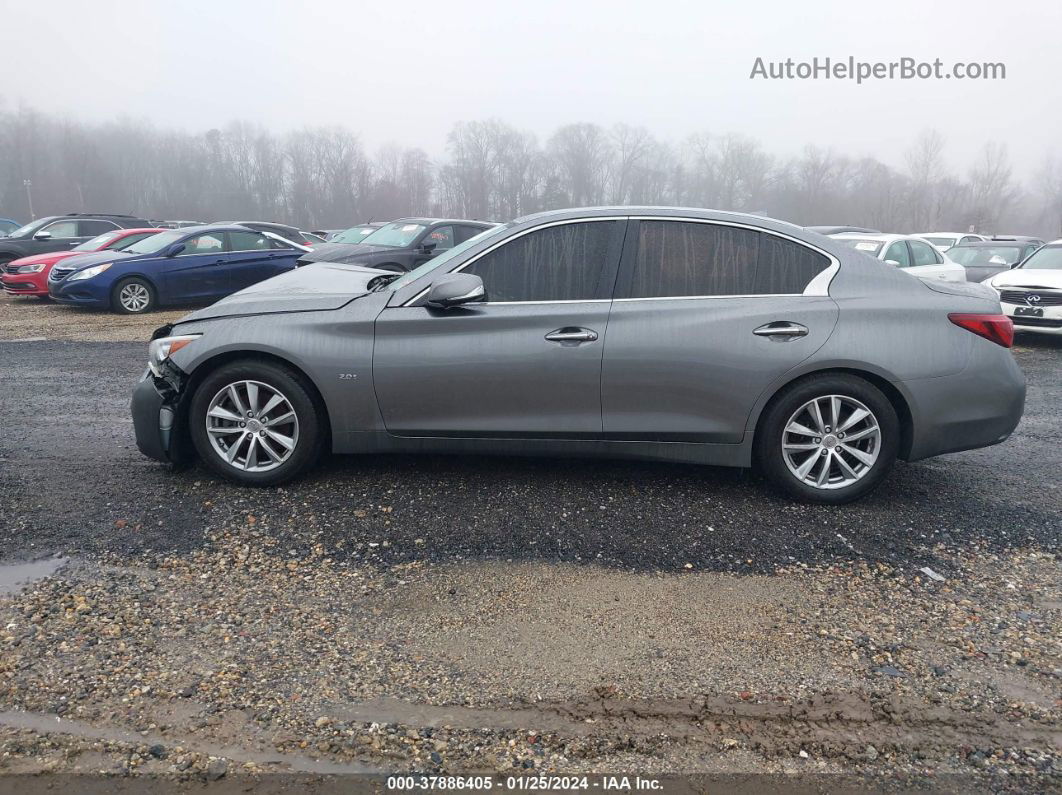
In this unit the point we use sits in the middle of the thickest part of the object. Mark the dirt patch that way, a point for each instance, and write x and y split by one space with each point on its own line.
259 654
23 318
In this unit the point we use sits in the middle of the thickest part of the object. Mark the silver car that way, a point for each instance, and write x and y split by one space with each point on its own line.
653 333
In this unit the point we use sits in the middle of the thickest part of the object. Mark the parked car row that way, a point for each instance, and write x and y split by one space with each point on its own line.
132 265
1025 272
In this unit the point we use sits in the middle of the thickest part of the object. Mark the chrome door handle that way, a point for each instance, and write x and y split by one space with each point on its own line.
572 335
781 328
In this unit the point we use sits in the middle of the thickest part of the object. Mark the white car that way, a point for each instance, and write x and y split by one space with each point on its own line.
915 255
1031 294
942 241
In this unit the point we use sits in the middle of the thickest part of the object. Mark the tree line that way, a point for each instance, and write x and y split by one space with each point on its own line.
324 177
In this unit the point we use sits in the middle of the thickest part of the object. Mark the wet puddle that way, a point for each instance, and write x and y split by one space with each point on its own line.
16 576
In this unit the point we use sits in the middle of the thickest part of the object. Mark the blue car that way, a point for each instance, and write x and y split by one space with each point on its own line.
197 264
7 226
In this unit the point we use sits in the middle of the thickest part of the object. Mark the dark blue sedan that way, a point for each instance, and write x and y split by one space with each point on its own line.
197 264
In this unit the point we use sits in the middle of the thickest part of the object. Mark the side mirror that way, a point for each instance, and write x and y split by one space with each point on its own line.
43 236
456 289
892 262
427 247
174 250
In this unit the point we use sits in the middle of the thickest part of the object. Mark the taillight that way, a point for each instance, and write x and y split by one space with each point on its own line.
997 328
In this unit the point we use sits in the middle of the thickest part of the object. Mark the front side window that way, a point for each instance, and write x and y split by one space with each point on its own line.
248 241
441 236
898 253
945 242
686 259
923 253
204 244
557 263
62 229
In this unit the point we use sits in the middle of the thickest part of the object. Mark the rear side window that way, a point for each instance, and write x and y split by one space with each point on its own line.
684 259
558 263
248 241
95 227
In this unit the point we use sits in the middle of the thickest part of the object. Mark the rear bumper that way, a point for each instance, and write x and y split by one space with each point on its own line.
978 407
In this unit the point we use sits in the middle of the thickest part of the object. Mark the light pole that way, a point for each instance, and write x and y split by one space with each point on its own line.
28 185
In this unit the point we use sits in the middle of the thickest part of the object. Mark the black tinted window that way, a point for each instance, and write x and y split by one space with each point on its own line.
248 241
92 228
677 258
559 263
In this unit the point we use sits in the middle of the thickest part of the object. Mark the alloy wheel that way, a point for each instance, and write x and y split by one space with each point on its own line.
252 426
831 442
134 297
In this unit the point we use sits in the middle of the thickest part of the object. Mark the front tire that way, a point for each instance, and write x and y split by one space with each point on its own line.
829 438
133 296
256 423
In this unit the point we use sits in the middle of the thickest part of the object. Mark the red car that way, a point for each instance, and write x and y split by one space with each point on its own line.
29 275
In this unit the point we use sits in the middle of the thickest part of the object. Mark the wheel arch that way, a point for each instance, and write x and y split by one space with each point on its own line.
899 401
212 363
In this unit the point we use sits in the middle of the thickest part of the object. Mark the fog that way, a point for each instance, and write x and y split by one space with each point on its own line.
406 74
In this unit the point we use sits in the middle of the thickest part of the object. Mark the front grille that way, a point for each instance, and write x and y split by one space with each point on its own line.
1038 322
58 274
1018 297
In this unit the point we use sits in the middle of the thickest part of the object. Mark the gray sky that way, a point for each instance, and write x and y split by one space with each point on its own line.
407 71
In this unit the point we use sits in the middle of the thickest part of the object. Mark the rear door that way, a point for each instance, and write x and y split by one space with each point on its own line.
253 257
199 273
524 364
706 316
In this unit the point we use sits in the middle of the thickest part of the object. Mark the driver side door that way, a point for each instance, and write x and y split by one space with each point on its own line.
199 272
524 364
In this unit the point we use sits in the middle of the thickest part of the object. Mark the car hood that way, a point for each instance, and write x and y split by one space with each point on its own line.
89 258
318 287
342 252
43 259
1019 277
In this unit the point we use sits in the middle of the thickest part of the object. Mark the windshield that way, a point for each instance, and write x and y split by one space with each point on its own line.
30 227
985 255
445 257
941 241
98 242
155 243
396 235
1046 258
356 234
866 246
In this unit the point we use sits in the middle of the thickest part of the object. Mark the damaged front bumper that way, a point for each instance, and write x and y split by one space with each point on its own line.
157 415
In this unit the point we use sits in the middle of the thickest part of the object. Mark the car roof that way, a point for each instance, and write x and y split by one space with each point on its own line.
994 244
883 237
946 234
431 221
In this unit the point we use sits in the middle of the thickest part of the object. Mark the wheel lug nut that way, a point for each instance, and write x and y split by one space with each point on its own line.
261 433
243 424
250 413
818 440
824 451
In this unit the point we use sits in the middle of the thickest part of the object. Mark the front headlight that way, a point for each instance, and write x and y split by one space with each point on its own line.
30 268
88 273
161 349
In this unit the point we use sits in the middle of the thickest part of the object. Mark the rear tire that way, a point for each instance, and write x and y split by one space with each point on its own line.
269 432
828 438
133 296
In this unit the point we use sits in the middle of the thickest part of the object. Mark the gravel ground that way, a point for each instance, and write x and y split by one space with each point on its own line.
24 318
464 614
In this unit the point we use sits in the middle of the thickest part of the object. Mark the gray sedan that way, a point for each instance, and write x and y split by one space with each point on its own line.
653 333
